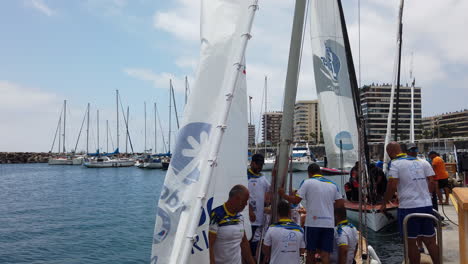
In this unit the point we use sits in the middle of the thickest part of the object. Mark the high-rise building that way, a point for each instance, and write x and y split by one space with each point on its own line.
251 135
272 126
446 125
375 102
307 121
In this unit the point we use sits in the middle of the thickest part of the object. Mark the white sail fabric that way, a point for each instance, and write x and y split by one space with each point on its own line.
221 25
332 83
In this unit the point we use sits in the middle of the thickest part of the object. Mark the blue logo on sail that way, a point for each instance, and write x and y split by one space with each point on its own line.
332 64
190 143
344 140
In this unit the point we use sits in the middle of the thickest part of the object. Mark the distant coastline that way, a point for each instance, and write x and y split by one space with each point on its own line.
23 157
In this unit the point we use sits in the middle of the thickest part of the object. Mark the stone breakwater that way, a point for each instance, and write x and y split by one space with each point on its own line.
23 157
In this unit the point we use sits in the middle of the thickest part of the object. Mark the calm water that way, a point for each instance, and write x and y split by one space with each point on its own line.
72 214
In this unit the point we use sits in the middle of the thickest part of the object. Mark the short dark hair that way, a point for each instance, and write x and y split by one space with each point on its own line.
237 189
258 158
314 168
433 152
283 208
340 212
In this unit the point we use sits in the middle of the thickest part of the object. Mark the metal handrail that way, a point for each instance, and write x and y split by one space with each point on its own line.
439 232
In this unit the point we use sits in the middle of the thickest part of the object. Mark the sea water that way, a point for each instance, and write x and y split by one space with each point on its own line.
73 214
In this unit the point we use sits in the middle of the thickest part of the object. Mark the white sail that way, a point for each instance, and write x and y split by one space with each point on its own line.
223 29
333 84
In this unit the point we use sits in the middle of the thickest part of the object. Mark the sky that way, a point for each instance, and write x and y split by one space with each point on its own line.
82 51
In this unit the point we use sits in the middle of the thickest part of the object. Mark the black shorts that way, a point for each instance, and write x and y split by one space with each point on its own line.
443 183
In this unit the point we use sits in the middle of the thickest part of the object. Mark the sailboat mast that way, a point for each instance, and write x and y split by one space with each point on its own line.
144 150
175 107
265 116
64 123
170 117
400 37
97 126
155 131
287 123
392 93
117 105
412 102
126 131
87 131
60 136
107 136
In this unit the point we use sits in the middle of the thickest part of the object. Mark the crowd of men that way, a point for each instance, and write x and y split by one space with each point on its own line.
322 232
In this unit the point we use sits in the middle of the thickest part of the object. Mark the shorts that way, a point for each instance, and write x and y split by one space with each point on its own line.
443 183
319 238
417 226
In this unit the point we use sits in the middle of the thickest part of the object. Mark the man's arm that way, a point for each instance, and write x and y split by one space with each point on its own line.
266 252
245 251
342 254
391 189
340 203
294 199
212 240
252 215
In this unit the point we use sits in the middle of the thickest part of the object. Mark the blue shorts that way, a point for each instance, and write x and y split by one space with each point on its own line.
417 226
319 238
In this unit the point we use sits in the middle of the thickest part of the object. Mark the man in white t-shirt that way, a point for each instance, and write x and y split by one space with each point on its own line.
284 240
346 239
228 242
259 188
410 177
321 196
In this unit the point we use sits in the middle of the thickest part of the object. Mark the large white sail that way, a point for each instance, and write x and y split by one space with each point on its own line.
332 83
223 27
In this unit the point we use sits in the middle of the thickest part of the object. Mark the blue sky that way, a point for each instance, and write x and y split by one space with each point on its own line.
82 51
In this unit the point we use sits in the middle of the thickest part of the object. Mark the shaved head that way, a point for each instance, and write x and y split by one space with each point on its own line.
393 149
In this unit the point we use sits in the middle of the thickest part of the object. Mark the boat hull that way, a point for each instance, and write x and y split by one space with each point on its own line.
152 165
77 161
60 162
376 220
300 165
109 164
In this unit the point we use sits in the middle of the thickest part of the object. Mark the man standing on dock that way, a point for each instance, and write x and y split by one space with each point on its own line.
258 188
321 196
441 175
409 176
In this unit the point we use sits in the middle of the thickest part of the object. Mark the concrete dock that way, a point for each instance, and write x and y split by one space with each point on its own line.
450 236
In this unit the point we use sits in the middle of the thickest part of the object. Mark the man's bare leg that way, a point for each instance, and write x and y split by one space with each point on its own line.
325 257
413 251
310 258
447 195
432 247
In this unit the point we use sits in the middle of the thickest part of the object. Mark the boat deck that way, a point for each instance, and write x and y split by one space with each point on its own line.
355 206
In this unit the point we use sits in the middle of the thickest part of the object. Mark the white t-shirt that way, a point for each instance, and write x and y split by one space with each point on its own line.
412 176
345 235
258 186
285 245
229 230
320 195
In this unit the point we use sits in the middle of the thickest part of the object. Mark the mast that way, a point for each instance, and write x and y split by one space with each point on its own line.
126 130
287 123
392 93
60 135
155 131
250 110
97 126
144 150
412 102
186 89
170 107
265 116
64 123
400 37
175 106
107 136
117 104
87 132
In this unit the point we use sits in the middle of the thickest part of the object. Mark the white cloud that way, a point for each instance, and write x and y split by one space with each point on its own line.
15 96
42 7
159 80
182 21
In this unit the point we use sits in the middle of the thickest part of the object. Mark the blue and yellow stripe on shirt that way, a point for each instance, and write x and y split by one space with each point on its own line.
253 175
288 224
320 178
339 229
221 216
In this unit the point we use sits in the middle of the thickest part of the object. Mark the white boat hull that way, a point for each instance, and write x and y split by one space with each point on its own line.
300 165
60 162
375 220
152 165
109 164
78 161
268 165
